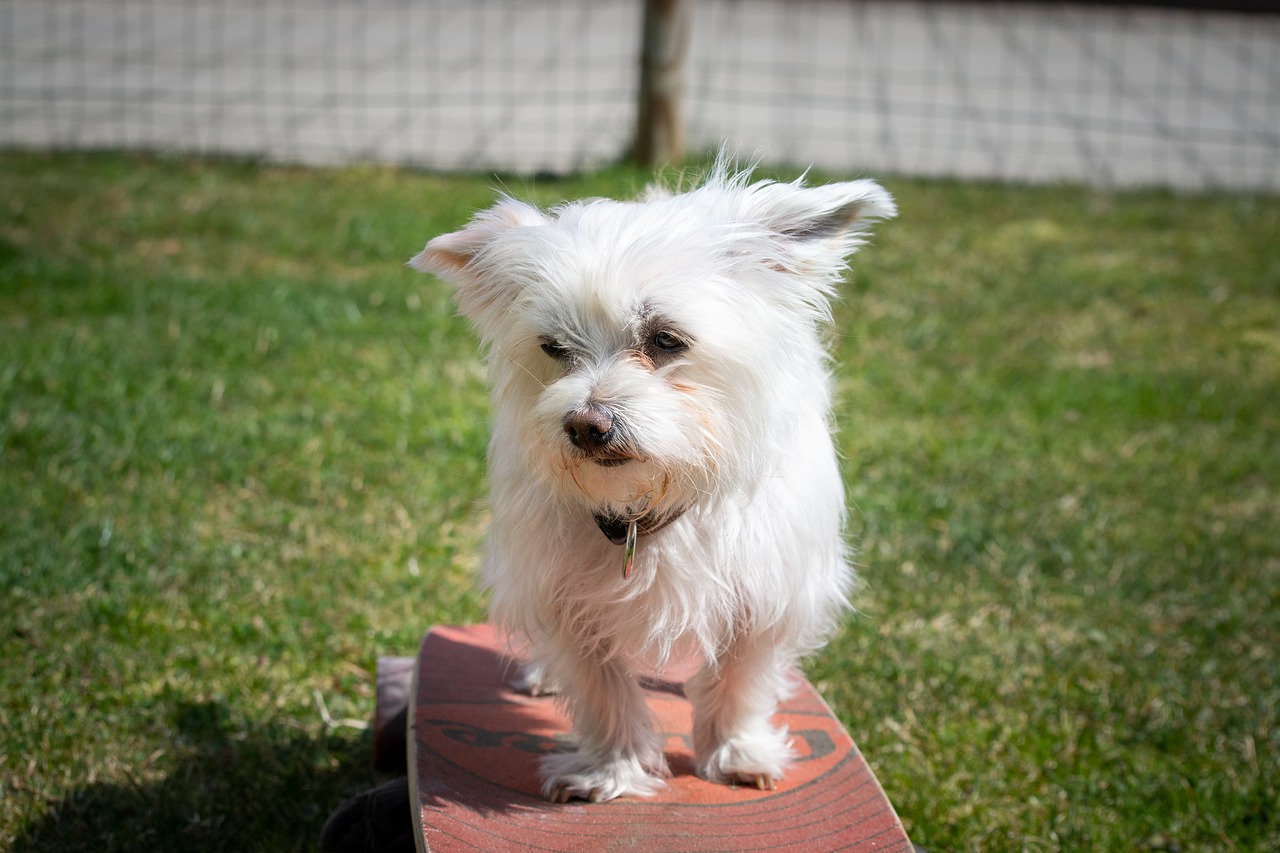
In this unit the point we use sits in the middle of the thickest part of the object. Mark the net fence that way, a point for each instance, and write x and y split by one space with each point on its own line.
1113 95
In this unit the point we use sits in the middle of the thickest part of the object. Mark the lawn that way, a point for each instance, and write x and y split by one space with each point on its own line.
241 456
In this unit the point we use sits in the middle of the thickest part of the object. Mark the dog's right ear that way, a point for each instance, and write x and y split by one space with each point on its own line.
459 257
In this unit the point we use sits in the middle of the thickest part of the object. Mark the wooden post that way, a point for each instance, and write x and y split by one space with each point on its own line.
659 126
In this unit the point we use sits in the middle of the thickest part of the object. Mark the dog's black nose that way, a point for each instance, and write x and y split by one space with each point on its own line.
589 428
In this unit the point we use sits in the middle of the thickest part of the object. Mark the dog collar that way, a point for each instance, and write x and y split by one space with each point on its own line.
615 527
625 531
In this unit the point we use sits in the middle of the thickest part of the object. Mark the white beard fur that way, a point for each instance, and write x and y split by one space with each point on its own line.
692 324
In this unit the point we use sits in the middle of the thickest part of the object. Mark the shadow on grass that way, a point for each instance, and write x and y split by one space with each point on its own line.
265 789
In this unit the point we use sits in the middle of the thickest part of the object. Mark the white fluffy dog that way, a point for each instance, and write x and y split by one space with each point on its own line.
663 480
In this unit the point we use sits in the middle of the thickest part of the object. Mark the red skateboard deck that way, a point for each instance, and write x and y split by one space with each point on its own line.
473 750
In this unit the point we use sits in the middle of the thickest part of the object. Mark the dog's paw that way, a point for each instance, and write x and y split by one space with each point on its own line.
576 775
754 761
759 781
533 681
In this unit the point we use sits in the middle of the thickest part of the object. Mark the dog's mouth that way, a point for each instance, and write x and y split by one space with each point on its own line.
605 457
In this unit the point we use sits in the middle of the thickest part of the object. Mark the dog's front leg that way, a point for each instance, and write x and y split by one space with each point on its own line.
733 698
618 751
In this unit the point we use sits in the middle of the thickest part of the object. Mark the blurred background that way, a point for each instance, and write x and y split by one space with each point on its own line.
1179 94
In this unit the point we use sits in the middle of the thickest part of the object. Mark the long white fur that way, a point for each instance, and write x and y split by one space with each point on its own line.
735 432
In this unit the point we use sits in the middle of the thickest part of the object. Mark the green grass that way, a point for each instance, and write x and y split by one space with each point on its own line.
241 456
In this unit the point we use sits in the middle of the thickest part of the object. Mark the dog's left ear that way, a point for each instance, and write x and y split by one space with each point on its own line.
822 223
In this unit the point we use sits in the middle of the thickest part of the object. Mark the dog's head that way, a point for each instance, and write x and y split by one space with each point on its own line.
646 354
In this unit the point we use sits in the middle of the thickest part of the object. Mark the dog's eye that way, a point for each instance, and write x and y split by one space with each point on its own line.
555 349
668 343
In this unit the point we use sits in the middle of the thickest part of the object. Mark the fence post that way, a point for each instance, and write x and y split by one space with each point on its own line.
659 125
